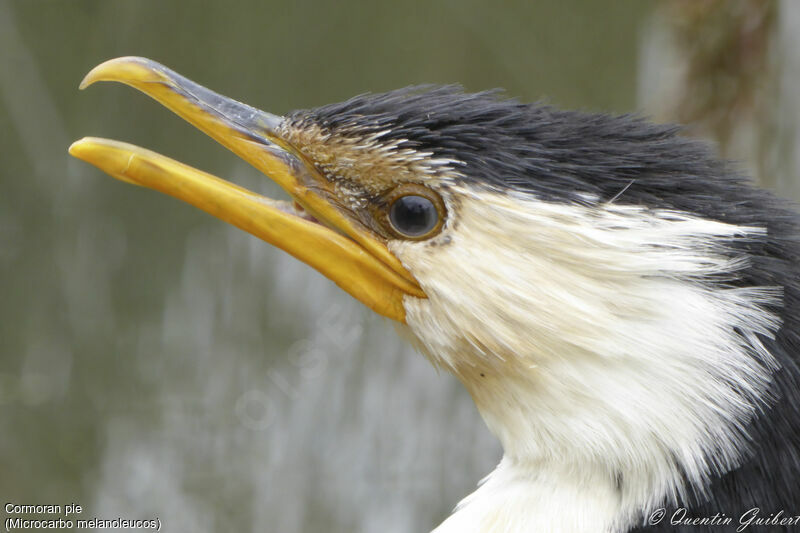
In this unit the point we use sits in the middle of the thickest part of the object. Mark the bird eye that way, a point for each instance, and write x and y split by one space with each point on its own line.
414 212
413 215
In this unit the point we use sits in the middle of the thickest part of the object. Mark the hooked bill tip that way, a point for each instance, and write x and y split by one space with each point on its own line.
85 82
120 69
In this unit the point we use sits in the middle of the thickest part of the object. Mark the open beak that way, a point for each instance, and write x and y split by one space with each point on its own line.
322 234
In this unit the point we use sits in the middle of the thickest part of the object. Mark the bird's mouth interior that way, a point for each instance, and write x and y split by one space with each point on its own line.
314 227
300 211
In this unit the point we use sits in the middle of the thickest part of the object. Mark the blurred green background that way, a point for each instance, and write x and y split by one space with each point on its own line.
157 363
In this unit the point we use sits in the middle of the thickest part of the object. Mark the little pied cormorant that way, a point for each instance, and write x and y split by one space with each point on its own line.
623 307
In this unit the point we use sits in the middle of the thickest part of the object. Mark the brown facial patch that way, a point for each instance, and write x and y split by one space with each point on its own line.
361 158
363 169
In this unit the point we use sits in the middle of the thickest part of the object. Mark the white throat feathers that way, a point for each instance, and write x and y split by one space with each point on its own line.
601 346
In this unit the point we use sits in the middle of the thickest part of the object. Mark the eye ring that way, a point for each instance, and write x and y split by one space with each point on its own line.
413 212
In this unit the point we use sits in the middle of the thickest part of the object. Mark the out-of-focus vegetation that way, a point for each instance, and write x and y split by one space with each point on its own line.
728 70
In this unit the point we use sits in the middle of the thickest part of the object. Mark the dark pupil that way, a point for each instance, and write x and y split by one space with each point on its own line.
413 215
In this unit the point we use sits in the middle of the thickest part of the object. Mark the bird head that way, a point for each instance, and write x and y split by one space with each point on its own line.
583 275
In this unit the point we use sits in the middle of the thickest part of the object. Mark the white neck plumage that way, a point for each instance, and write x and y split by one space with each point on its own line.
613 370
549 487
539 496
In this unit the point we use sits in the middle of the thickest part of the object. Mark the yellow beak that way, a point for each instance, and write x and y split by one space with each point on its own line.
332 240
